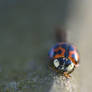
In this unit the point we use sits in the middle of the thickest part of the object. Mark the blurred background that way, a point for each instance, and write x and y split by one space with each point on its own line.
27 34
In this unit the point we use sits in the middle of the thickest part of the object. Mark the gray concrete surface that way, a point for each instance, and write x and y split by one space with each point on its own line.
26 34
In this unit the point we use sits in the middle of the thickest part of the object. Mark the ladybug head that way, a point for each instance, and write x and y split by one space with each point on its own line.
63 64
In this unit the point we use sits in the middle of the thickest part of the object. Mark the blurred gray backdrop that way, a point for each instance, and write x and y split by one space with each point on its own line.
27 34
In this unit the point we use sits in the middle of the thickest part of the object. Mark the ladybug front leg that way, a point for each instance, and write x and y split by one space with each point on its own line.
67 75
77 65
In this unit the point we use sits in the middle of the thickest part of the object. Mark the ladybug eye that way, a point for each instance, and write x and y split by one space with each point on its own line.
56 63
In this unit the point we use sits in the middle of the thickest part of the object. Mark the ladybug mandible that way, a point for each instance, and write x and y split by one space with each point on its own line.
64 58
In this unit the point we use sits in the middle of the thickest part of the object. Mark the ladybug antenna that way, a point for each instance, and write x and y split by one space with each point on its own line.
61 35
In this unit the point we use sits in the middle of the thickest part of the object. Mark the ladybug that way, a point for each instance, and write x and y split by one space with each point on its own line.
64 58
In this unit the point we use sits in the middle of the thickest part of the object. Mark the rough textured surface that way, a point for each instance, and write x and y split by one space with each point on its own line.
26 34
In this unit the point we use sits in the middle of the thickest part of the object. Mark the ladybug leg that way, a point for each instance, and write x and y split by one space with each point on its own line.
77 65
67 75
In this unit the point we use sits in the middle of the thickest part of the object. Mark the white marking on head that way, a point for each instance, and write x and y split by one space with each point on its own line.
56 63
70 67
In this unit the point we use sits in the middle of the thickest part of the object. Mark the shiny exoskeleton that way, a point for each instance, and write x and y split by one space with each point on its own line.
64 58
